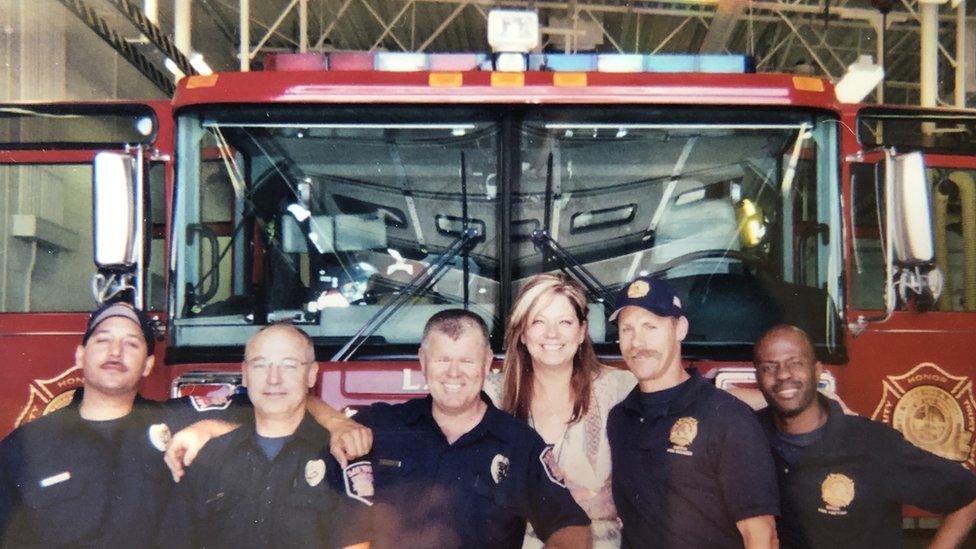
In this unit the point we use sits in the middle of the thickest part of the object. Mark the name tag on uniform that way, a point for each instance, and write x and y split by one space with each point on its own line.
389 462
55 479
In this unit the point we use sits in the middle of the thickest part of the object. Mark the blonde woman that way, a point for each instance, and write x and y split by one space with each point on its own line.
551 378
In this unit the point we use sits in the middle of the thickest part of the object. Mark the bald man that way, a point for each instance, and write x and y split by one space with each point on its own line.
843 479
264 484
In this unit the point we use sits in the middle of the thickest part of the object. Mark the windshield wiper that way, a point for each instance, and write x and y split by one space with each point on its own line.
573 268
417 285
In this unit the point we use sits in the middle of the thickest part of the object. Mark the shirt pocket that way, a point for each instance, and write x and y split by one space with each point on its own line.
389 472
492 511
67 511
218 506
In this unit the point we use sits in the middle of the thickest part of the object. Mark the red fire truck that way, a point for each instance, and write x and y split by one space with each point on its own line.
356 194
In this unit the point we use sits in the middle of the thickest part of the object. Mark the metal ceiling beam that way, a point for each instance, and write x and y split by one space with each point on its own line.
113 38
440 28
388 27
155 35
724 20
335 21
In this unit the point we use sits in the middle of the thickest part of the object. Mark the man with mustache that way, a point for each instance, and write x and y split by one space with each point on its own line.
691 466
844 479
90 474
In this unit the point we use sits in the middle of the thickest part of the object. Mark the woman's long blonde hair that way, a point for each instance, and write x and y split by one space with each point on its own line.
517 366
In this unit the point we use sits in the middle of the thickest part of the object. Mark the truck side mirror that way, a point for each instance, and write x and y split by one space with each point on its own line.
115 217
913 236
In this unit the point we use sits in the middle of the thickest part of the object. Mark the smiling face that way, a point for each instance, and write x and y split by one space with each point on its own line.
115 358
787 372
651 347
553 333
279 368
455 370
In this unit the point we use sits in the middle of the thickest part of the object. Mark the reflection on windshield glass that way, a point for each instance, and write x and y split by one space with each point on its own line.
333 221
730 213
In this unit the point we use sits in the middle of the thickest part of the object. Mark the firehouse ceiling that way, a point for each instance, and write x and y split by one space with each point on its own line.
818 37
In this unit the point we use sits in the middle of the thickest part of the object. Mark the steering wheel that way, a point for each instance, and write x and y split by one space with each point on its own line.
748 259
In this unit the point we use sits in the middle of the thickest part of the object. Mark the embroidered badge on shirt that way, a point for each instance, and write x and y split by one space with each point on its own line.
683 433
160 436
837 491
638 288
314 471
358 478
54 479
499 468
551 467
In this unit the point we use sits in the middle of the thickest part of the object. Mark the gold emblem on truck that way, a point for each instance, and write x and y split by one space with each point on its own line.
49 395
933 409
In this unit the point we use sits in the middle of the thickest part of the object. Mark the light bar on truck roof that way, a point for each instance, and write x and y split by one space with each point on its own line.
400 61
520 62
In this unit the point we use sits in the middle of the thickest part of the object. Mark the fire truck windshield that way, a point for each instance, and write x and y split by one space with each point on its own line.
335 217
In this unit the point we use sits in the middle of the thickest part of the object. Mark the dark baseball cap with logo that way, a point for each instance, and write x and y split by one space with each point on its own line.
124 310
650 293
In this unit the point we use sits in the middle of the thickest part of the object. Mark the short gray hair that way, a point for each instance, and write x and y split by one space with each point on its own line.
453 322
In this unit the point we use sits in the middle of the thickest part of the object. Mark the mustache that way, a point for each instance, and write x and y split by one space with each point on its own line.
115 364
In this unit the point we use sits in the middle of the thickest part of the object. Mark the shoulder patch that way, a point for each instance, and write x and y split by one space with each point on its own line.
548 460
358 479
160 436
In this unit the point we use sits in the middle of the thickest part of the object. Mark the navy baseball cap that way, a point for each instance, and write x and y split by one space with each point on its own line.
124 310
650 293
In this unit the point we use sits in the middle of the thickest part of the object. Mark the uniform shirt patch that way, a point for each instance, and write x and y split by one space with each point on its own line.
54 479
160 436
683 433
551 467
358 479
837 492
499 468
314 471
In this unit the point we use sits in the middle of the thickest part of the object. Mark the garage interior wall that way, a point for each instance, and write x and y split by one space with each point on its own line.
47 54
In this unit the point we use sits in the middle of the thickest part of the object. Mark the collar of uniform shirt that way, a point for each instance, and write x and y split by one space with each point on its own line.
832 429
419 409
680 402
308 430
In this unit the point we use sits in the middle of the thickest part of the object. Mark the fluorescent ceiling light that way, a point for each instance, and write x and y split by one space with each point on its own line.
171 67
861 77
199 65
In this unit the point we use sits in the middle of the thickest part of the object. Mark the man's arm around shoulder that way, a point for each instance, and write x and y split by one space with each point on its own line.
955 527
758 532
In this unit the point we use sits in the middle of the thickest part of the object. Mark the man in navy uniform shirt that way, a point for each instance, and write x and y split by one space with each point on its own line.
265 484
843 478
91 474
451 470
691 466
